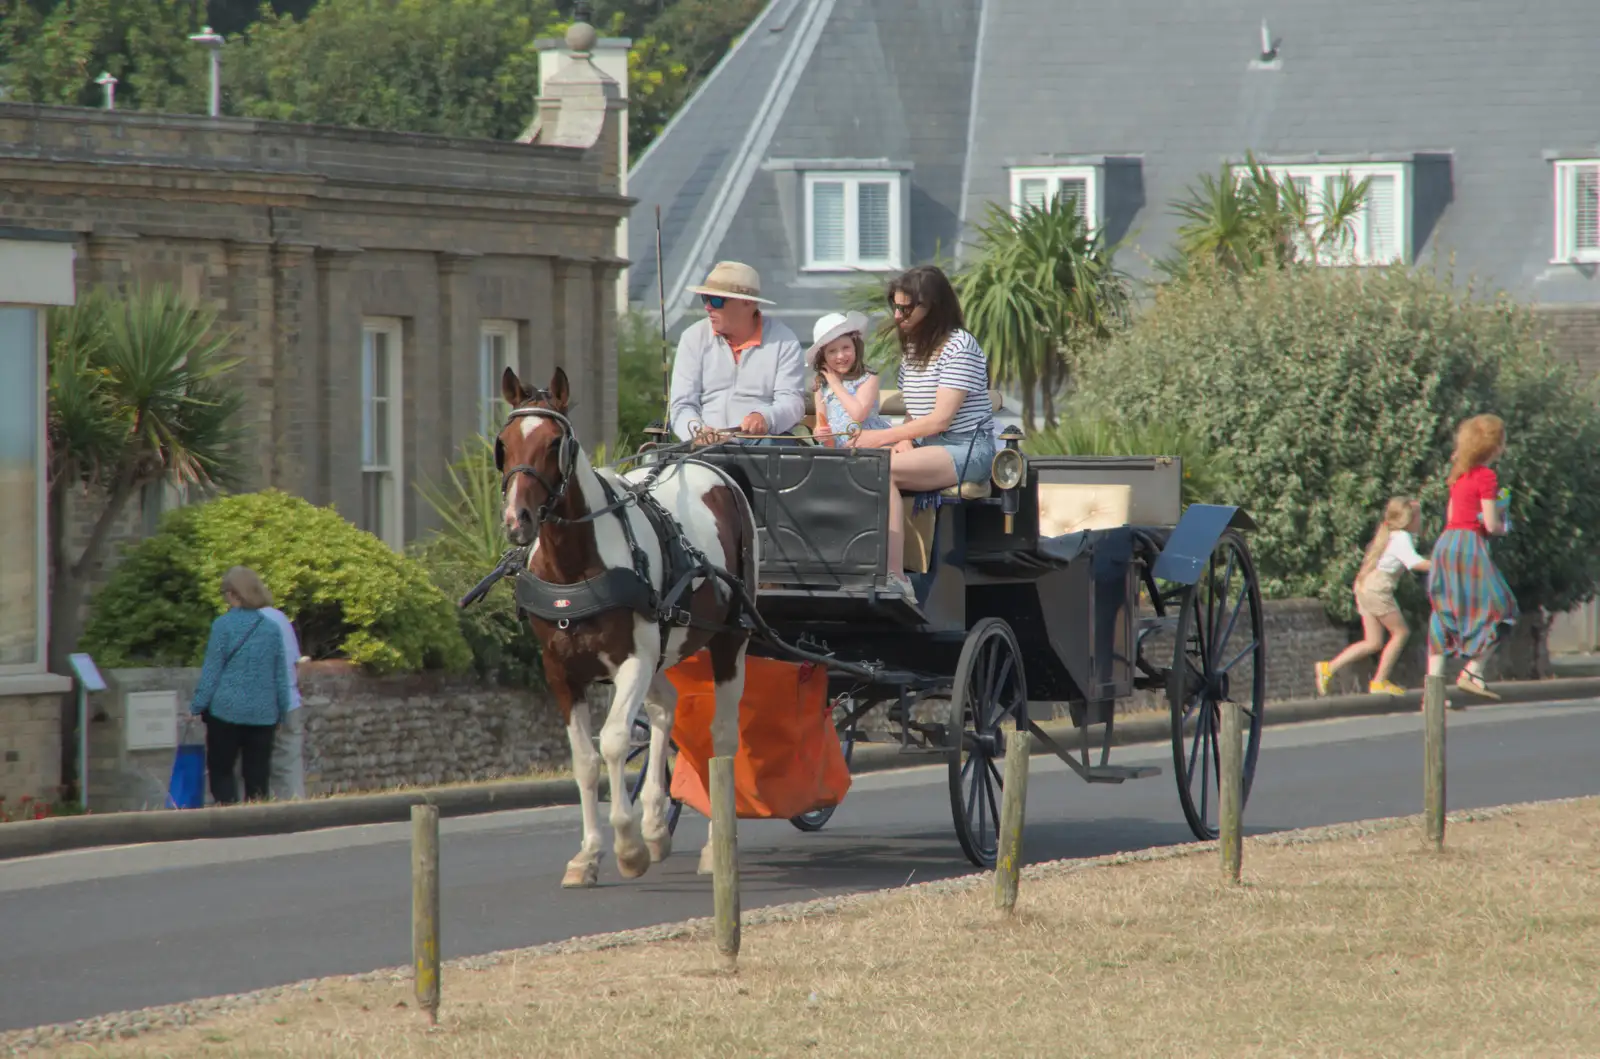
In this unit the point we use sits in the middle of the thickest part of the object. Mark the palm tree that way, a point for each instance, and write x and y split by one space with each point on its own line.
1246 221
137 397
1039 286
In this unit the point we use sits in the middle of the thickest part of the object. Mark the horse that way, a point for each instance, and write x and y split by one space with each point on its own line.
589 529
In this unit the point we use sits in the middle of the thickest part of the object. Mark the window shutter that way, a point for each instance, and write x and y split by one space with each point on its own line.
872 220
1032 192
1381 221
827 221
1077 188
1586 208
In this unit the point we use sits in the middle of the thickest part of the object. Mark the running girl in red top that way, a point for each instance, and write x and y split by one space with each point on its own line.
1472 604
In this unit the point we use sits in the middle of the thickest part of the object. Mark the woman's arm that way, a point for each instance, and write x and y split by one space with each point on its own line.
210 672
281 677
1491 516
858 405
946 403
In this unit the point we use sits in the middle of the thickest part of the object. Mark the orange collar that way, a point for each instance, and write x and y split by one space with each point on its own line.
749 343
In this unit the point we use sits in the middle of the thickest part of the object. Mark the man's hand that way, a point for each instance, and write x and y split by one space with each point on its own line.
707 436
754 423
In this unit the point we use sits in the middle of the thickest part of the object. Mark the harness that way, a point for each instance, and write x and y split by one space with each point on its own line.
617 588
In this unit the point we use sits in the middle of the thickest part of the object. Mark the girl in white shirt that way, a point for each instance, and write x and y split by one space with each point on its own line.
1391 553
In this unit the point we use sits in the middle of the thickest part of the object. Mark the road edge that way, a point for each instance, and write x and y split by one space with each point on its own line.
60 834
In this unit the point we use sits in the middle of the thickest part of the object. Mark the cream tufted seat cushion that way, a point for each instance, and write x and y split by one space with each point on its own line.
968 490
1068 508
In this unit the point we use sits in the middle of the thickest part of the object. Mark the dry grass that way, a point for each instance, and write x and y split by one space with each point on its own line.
1362 946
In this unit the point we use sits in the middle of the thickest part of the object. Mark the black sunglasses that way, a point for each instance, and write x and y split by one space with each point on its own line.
902 308
713 301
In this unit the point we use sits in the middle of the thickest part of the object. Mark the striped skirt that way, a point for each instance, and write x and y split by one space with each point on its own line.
1472 603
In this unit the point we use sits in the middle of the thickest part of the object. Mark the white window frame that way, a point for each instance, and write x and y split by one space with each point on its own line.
1319 173
1566 251
393 513
41 542
490 401
852 181
1053 175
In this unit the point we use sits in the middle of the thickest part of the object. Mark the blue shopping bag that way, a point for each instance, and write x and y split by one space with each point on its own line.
187 789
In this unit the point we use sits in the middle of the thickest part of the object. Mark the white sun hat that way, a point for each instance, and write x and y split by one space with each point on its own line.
832 326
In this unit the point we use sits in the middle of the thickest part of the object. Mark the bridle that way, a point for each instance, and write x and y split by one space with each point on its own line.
566 459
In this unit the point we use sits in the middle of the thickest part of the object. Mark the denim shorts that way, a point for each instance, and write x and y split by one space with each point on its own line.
972 451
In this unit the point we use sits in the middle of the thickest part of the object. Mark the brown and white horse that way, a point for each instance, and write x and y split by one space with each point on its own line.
551 493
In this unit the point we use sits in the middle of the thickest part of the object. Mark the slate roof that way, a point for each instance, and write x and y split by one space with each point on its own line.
1476 93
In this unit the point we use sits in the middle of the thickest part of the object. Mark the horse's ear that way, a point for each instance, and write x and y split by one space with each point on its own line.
559 390
511 388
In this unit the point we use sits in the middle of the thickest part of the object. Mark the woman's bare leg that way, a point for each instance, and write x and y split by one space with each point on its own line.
915 471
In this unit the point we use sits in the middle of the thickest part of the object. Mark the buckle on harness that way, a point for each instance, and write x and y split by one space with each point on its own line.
679 616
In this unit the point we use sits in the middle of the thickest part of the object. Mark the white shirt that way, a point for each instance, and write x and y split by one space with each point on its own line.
710 389
960 365
1399 555
291 649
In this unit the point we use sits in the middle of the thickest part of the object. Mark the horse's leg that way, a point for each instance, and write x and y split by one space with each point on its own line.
660 704
631 679
727 675
584 869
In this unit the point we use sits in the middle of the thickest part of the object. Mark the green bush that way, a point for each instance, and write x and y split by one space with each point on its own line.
1082 432
639 382
468 544
1328 390
349 595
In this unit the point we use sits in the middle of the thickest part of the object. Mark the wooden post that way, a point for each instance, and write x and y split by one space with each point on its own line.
1433 759
1013 808
725 861
425 906
1230 783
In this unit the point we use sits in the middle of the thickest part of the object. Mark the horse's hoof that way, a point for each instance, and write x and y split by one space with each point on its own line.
581 876
632 863
707 863
660 848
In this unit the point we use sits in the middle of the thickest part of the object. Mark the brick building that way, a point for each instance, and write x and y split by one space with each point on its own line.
376 284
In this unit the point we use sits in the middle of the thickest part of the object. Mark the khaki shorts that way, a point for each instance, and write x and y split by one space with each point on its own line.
1375 602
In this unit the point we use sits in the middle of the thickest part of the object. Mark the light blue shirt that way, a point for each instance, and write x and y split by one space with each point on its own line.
291 650
709 389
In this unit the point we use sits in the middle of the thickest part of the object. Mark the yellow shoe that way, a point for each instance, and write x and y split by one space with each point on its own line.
1385 687
1324 677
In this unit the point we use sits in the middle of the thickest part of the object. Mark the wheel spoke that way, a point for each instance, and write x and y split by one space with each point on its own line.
1239 657
1244 594
1222 597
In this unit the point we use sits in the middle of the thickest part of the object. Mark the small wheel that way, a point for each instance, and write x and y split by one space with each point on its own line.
1220 654
816 819
989 688
639 750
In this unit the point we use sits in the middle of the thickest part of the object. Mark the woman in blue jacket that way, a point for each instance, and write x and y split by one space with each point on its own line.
243 692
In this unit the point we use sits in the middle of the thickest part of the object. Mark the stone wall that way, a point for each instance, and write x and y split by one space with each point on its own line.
30 747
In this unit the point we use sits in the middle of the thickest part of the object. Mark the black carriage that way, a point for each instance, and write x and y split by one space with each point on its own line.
1067 583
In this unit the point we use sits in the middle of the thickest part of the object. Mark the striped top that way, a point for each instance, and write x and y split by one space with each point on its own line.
960 365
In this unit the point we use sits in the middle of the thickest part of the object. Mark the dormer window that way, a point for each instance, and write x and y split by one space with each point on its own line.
853 220
1381 228
1039 186
1578 211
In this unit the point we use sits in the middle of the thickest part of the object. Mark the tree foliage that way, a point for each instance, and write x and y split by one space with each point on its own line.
349 595
1085 431
1329 390
52 51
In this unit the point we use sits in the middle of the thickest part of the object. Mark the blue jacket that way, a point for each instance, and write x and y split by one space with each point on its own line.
243 679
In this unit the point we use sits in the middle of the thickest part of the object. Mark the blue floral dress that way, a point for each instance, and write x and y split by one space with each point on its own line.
839 420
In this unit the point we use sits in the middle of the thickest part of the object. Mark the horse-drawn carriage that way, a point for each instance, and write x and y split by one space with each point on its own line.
1064 581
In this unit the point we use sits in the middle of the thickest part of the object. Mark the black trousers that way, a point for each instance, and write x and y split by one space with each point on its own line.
249 746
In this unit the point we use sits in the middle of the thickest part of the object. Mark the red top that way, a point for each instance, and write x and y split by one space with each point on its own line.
1467 496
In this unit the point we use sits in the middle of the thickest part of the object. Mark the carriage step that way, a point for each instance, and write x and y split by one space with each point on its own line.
1119 773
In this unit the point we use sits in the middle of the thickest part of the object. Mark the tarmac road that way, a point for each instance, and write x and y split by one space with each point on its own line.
94 931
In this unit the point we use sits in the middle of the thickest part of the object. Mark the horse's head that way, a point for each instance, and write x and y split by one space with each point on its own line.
536 453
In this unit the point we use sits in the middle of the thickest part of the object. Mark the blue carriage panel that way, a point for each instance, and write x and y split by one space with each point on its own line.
1189 546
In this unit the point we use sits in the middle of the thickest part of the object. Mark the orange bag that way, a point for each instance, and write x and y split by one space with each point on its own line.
789 759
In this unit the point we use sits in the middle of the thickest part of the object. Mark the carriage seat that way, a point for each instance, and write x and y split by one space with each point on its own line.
1073 507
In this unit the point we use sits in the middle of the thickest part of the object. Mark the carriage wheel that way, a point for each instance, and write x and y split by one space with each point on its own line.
989 688
817 818
1220 654
639 750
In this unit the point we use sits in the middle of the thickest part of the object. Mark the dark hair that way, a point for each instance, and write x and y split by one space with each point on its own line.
927 285
855 372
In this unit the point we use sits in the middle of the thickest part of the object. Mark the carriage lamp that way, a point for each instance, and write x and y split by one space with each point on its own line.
1009 469
655 436
1011 436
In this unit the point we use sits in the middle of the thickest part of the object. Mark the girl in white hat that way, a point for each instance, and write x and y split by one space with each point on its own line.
845 392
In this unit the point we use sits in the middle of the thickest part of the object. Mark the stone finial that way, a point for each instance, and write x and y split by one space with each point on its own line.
581 38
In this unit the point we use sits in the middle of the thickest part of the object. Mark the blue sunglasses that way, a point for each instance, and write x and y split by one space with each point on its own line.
713 301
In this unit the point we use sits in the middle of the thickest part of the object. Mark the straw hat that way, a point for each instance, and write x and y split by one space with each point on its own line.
733 279
830 327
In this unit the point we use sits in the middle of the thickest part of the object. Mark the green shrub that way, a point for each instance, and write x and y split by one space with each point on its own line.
468 544
349 594
639 381
1084 433
1328 390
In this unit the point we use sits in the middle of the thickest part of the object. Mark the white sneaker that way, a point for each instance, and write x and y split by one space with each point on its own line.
902 584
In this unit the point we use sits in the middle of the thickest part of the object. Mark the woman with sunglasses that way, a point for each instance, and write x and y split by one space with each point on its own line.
947 436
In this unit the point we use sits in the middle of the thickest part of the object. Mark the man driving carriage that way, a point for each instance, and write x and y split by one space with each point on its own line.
737 371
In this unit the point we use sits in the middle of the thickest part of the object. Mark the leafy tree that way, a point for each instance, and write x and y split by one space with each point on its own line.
1243 221
1329 390
138 396
640 400
1037 289
52 52
348 593
1085 431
